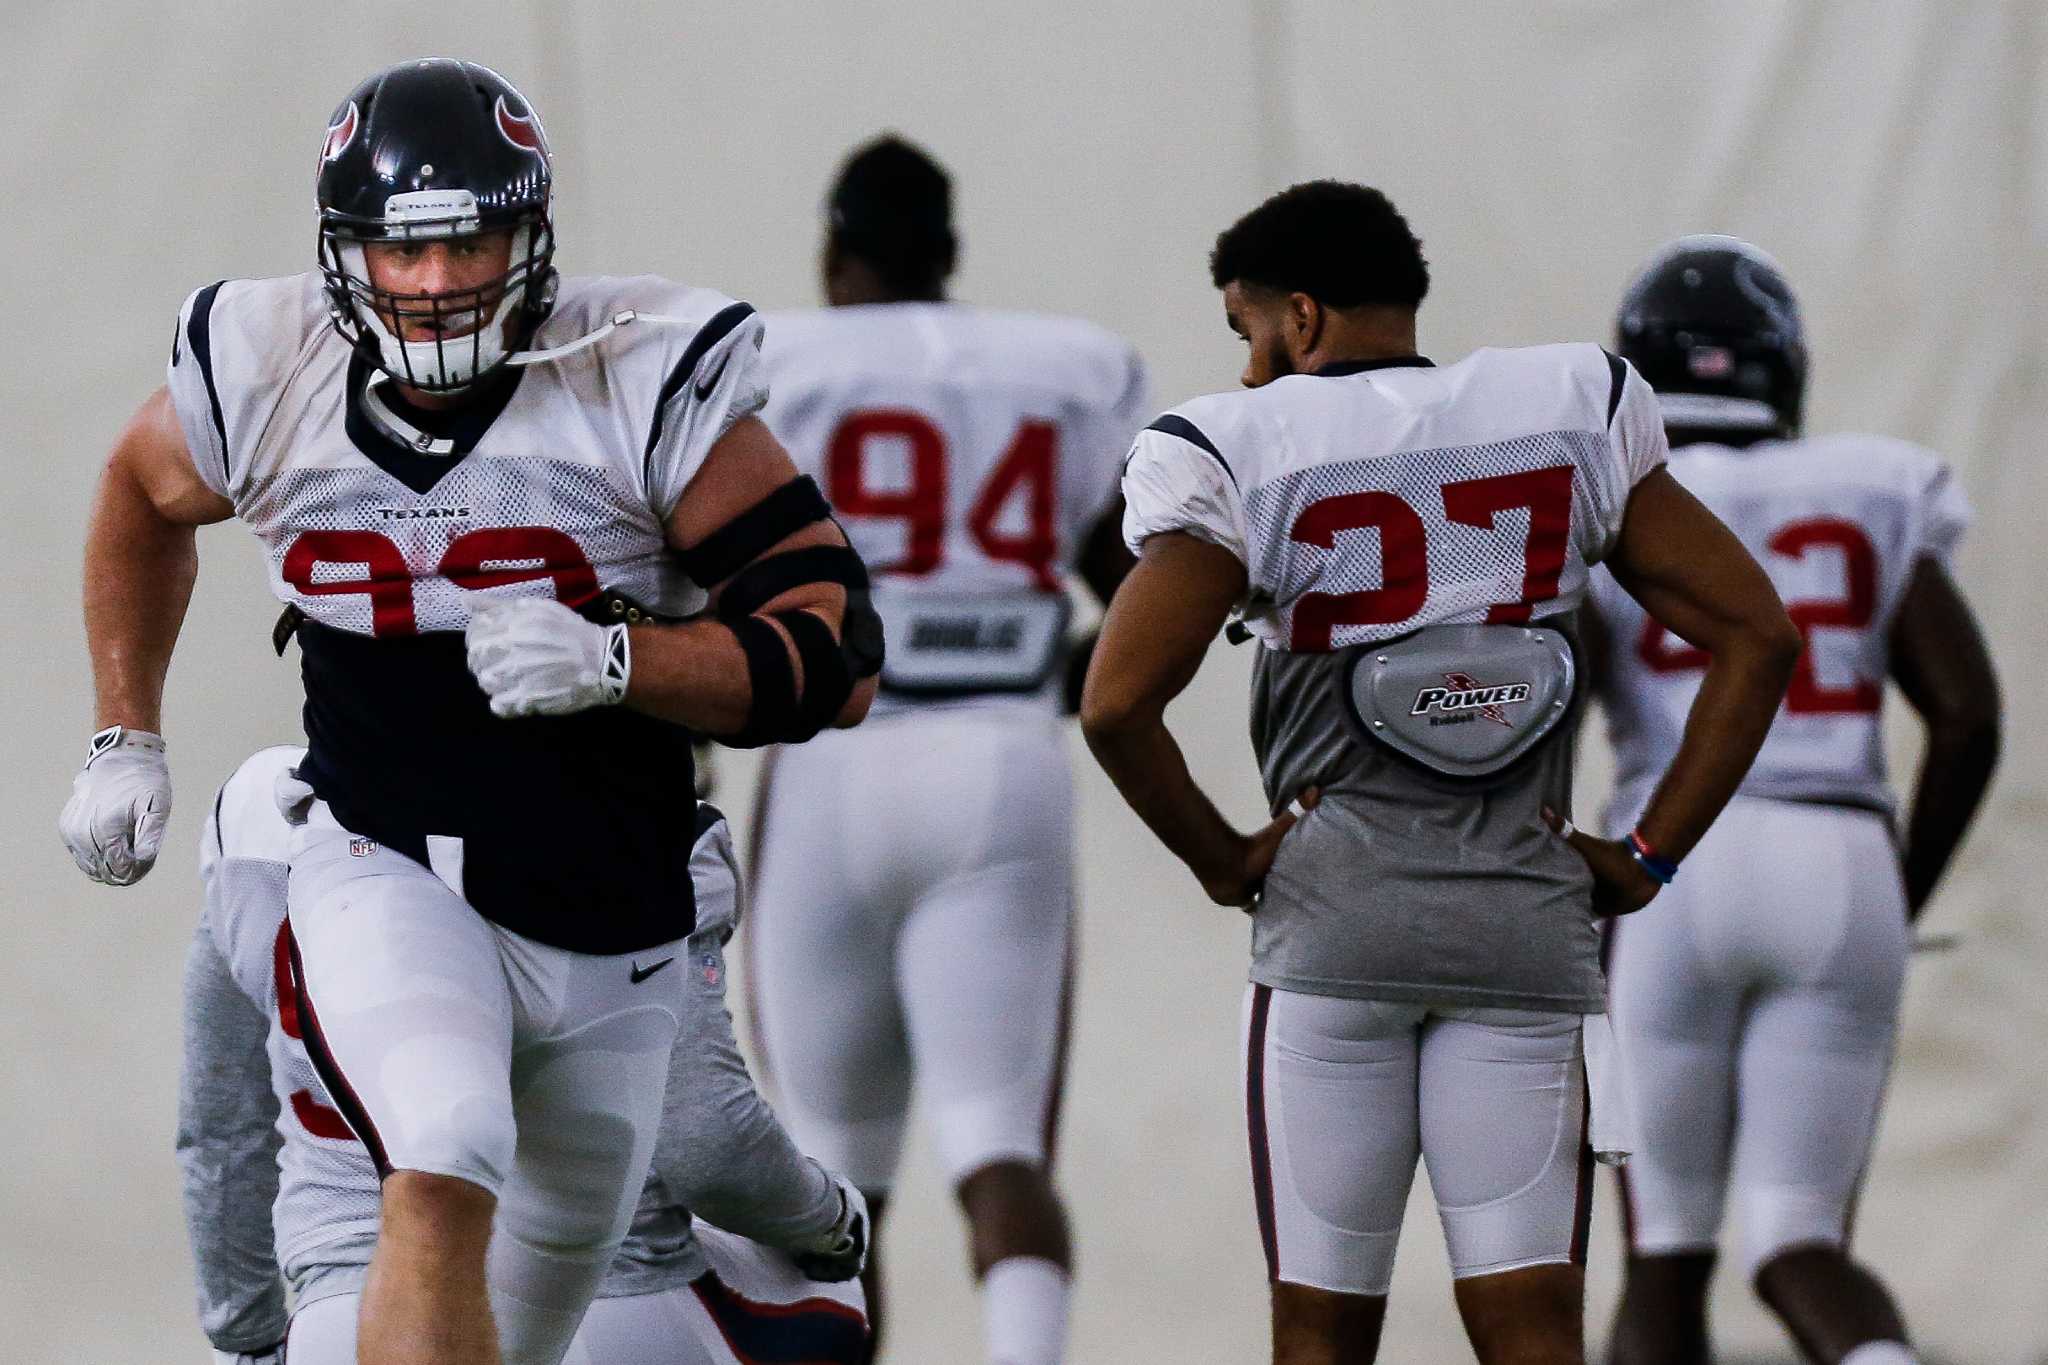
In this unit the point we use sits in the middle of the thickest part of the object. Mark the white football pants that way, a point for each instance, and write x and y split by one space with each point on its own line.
1755 1002
454 1047
1341 1097
913 915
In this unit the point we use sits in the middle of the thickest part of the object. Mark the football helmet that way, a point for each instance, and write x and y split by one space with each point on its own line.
1712 325
436 148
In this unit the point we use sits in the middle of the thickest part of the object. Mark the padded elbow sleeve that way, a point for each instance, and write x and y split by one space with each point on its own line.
827 679
779 713
772 682
755 532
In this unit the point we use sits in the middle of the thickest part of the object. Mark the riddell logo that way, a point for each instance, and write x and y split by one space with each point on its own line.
423 513
1466 695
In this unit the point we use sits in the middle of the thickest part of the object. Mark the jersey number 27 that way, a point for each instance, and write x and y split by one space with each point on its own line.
1404 548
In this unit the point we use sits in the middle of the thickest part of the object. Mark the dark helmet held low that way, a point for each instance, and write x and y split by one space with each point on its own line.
430 149
1712 325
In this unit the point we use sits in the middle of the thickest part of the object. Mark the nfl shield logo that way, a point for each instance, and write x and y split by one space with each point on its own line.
709 964
361 848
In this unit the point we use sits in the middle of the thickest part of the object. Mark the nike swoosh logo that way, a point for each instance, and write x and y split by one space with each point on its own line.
704 389
640 973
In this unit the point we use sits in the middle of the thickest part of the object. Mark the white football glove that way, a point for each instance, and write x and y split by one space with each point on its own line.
839 1252
120 802
270 1357
534 657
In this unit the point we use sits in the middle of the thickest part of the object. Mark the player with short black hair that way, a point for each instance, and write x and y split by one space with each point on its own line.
1409 544
488 494
1345 245
889 226
971 455
1759 1006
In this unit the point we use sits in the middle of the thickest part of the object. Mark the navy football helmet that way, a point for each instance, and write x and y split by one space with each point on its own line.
436 148
1712 325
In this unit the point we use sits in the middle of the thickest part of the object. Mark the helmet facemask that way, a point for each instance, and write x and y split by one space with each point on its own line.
469 332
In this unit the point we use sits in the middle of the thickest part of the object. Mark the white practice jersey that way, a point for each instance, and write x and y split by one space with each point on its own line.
1366 502
567 490
1838 522
552 481
1371 500
965 452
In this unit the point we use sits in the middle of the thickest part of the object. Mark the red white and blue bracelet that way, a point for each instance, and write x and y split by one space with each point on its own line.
1661 869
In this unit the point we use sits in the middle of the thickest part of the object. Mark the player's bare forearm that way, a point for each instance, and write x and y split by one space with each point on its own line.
1954 775
1691 573
141 559
1103 563
695 672
1941 663
1150 772
139 572
1158 627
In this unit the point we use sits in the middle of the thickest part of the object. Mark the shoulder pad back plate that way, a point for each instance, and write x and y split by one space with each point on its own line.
1463 701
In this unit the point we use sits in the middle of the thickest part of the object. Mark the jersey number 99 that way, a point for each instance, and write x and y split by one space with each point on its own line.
486 558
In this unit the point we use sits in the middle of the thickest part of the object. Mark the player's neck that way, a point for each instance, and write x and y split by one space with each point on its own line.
846 298
854 283
482 391
425 401
1361 334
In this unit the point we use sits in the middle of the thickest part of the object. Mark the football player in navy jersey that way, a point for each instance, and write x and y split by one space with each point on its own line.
485 490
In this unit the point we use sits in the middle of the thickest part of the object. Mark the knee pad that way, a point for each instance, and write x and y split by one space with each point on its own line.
1776 1219
973 1133
864 1150
323 1332
472 1137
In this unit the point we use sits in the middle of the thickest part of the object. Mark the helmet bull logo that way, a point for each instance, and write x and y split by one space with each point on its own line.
340 133
522 130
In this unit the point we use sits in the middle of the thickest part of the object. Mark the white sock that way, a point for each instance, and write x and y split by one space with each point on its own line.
1881 1353
1024 1311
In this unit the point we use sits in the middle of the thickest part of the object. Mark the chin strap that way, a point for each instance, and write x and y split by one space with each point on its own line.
589 339
406 434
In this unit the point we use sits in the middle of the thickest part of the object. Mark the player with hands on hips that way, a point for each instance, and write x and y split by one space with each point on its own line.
437 435
1409 545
